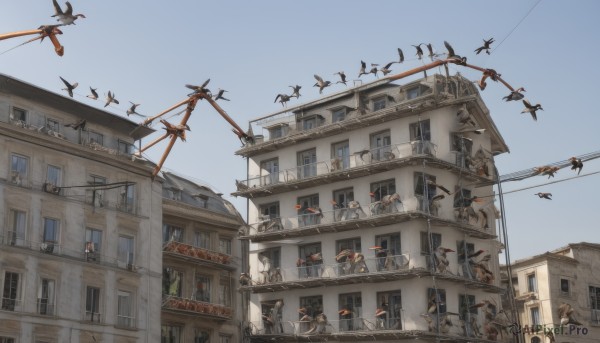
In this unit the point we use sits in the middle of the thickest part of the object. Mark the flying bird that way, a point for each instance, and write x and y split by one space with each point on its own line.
342 77
111 98
283 98
70 87
321 84
296 91
485 46
200 89
374 69
220 95
544 195
576 163
451 54
515 95
363 69
67 16
435 185
565 313
386 69
531 109
176 130
430 49
400 56
419 50
132 109
94 95
76 126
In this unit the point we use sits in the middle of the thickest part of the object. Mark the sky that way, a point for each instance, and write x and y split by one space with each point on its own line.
146 51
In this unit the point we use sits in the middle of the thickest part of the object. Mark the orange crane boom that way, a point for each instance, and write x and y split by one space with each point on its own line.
49 31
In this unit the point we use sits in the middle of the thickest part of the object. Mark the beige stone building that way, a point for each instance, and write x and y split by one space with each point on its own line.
201 263
80 237
542 283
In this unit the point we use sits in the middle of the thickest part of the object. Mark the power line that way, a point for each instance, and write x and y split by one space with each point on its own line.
519 23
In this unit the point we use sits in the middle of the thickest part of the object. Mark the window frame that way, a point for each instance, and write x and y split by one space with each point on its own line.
50 303
55 228
95 137
21 112
420 131
306 170
130 258
344 158
125 311
531 286
269 171
339 114
202 294
15 172
53 125
172 274
93 294
379 102
173 233
225 245
560 285
16 239
13 299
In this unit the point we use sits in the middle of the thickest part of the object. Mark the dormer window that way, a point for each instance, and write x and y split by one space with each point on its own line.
379 103
277 130
125 148
311 122
338 115
414 92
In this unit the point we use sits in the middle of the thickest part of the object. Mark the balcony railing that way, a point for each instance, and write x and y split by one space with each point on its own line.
45 307
202 254
10 304
124 321
16 239
196 307
93 317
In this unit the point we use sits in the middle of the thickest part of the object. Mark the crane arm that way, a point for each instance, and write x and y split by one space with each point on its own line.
44 31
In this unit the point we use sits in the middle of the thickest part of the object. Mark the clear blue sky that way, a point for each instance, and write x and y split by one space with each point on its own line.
145 51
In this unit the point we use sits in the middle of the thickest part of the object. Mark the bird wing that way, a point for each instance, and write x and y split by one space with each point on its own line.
205 83
401 54
94 92
387 66
277 97
69 10
65 82
527 104
318 78
363 64
449 47
57 8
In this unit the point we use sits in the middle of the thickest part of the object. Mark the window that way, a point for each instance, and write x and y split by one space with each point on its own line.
97 192
312 306
53 125
423 191
202 292
93 244
462 198
273 255
11 291
338 115
172 280
18 115
18 170
269 172
307 163
225 246
311 122
223 338
51 230
201 336
340 155
343 197
126 200
172 233
202 239
467 310
595 299
436 297
125 252
18 228
125 316
225 291
54 175
308 211
271 210
461 144
420 131
436 241
535 316
45 304
278 130
171 334
382 188
381 146
391 303
389 242
92 304
124 148
273 313
96 137
564 287
531 283
461 246
4 339
379 103
390 246
413 92
310 260
352 244
350 311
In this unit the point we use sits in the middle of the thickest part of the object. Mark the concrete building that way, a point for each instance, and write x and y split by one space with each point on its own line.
201 261
80 256
350 223
545 282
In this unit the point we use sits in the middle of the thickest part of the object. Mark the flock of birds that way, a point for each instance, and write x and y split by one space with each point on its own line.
576 164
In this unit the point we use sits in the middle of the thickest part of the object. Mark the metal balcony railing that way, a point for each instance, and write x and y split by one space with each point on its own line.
196 307
124 321
205 255
16 239
11 304
366 266
93 317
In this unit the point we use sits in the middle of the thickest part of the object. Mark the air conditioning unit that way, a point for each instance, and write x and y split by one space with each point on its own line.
50 188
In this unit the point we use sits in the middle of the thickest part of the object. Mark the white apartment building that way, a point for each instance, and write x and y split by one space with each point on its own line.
80 241
348 226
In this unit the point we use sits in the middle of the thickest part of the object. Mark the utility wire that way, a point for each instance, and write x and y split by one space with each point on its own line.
514 28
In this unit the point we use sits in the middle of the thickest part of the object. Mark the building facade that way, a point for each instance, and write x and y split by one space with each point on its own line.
371 217
80 255
547 285
201 260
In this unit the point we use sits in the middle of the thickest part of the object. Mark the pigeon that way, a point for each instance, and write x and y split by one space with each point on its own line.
220 95
94 95
419 51
531 109
321 84
283 98
576 163
400 56
111 98
70 87
342 77
132 109
66 17
515 95
544 195
296 91
485 46
363 69
451 54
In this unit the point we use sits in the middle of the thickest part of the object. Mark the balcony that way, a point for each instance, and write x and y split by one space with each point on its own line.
17 240
368 270
193 307
354 166
204 256
375 213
